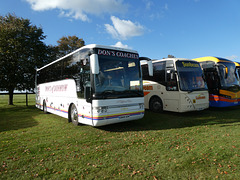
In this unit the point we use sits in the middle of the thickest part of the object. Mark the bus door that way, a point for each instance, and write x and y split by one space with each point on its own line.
83 85
212 79
171 97
87 115
238 72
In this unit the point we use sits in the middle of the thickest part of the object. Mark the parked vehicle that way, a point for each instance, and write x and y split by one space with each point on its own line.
94 85
222 81
176 85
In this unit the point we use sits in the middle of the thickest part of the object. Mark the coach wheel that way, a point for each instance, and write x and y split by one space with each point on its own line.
73 115
156 104
44 107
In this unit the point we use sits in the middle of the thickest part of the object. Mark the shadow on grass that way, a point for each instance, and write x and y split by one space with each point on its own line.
20 117
171 120
17 117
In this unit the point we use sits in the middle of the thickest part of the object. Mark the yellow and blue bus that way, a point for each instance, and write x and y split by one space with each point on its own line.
222 81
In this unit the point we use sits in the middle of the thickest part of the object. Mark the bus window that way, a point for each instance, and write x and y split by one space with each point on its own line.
171 80
82 78
159 72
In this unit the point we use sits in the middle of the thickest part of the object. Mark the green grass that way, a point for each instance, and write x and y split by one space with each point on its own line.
196 145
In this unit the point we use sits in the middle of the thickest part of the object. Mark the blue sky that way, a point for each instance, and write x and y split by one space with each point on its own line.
155 28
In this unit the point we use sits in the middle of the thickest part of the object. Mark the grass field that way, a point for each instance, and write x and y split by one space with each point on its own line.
196 145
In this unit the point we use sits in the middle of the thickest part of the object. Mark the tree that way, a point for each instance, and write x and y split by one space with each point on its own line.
171 56
21 51
69 44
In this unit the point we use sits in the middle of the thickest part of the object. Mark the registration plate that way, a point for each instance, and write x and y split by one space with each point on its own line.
123 117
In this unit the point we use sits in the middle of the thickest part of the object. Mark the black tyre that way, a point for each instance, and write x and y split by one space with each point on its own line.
73 116
156 104
44 107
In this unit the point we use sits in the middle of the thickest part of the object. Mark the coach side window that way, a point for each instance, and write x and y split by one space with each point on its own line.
171 77
145 73
83 77
159 72
171 80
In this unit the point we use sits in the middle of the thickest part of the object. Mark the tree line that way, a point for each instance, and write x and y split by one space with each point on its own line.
22 50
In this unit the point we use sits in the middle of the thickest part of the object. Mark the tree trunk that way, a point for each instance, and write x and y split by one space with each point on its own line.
10 99
26 98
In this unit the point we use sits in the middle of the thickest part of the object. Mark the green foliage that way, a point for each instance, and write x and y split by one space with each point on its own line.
69 44
21 51
195 145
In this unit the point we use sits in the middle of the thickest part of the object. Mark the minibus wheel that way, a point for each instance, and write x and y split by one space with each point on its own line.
73 116
156 104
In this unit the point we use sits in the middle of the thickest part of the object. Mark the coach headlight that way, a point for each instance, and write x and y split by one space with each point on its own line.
101 109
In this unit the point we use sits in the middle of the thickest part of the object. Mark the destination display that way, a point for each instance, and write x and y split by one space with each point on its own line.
189 64
114 53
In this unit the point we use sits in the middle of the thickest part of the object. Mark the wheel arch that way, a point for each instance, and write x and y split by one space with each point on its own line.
155 97
69 111
44 106
152 97
43 102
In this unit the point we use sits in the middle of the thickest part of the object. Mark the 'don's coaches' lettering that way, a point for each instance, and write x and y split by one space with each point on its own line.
119 54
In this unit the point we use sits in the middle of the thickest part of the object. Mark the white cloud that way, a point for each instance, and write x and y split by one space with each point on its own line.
232 57
111 30
79 9
149 4
124 29
166 7
120 45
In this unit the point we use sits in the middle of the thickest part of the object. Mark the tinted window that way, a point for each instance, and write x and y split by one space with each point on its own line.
158 72
74 67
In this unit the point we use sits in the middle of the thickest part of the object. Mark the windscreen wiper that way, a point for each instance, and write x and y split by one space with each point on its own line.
198 89
131 92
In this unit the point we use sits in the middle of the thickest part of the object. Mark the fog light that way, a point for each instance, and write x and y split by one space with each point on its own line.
141 106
